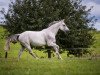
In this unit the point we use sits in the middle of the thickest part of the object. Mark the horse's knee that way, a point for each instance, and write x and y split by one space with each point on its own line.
57 46
30 52
57 52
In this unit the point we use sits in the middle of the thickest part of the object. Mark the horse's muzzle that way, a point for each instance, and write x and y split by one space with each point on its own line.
66 30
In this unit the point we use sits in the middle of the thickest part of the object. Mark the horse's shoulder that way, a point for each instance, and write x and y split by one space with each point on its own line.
50 37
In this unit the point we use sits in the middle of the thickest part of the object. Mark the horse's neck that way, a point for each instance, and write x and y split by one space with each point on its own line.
54 28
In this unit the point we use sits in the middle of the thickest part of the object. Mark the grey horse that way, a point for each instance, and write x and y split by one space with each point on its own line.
38 38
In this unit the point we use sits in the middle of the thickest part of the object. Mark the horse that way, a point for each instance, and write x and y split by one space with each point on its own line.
45 37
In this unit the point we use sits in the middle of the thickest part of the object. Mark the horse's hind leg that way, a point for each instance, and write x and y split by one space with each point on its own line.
31 53
20 52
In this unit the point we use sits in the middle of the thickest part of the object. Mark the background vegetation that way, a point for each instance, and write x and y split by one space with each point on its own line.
37 14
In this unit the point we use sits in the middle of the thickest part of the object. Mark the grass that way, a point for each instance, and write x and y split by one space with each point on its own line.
68 66
44 66
96 45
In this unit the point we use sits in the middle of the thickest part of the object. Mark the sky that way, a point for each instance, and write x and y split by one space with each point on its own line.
94 12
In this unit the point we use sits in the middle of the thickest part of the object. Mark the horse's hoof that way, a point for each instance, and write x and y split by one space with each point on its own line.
61 59
37 58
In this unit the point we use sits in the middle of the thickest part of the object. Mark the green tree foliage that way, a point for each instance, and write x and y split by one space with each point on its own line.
37 14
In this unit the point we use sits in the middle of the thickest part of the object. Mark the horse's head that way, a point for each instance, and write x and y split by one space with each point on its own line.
63 26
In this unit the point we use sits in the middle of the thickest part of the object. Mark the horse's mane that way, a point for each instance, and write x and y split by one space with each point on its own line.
54 22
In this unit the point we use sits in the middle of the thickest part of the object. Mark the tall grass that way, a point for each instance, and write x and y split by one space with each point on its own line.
68 66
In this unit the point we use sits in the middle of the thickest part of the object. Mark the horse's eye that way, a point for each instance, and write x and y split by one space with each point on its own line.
64 25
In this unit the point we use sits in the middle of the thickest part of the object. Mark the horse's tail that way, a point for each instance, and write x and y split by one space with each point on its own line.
13 39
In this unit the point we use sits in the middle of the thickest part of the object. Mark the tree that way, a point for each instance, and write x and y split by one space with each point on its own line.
80 36
37 14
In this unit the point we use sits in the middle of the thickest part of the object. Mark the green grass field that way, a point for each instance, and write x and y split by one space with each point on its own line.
44 66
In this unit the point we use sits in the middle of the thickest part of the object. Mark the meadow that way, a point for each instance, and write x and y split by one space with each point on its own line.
86 65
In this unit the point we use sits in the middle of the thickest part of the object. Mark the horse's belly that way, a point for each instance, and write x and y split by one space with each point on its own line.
38 43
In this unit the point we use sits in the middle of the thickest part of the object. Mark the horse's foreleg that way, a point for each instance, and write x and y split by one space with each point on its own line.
56 48
20 52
